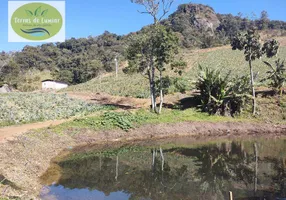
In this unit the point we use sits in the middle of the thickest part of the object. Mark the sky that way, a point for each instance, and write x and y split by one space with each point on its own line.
93 17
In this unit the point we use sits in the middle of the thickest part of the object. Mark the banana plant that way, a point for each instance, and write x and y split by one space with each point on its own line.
220 94
276 75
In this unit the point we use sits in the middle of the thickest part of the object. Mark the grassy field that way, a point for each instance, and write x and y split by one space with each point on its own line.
223 59
21 108
124 85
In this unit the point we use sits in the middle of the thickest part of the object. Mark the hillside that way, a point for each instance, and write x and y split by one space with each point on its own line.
79 60
222 58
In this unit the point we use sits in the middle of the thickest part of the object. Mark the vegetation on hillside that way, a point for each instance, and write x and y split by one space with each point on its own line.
20 108
224 59
74 61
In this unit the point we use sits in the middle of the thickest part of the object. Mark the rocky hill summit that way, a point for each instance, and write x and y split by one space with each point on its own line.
201 16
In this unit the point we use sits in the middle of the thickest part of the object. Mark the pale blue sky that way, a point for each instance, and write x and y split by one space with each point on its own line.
93 17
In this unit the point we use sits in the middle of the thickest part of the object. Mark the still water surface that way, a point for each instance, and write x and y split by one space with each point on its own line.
173 170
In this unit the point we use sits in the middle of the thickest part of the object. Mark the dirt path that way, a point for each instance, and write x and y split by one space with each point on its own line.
8 133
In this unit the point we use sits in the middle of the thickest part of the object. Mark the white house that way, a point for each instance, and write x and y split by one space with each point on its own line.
53 85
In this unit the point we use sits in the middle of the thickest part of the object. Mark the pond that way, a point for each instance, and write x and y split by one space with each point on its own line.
170 170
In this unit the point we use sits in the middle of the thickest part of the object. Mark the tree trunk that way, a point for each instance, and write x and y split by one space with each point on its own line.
100 161
162 158
116 168
256 168
253 89
161 93
153 158
151 91
153 161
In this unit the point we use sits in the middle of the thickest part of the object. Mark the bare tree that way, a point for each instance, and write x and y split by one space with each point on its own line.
158 9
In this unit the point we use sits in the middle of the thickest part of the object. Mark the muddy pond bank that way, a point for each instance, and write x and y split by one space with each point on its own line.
26 158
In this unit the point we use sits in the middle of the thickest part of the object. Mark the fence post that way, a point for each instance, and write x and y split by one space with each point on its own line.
230 195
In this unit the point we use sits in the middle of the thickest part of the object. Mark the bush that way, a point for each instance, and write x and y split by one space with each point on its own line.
172 85
122 120
221 95
277 75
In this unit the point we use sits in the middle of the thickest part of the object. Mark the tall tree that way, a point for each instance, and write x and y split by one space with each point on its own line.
156 47
253 49
150 53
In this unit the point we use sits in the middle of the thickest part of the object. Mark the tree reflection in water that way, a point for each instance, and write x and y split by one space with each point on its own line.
205 172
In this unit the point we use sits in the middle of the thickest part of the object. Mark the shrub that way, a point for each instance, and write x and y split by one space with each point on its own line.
221 95
172 85
123 120
277 75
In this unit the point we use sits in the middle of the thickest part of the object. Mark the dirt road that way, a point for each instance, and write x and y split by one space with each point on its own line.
8 133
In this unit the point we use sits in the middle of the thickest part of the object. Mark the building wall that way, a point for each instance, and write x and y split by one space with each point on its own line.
53 85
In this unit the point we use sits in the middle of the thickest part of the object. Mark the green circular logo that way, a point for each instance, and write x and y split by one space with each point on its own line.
37 21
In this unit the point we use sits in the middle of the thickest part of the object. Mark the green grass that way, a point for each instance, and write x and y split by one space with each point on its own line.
127 120
137 86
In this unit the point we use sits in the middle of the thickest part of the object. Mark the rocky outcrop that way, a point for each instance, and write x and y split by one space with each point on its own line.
201 16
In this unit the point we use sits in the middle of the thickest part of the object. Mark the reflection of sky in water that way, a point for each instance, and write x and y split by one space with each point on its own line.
61 193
